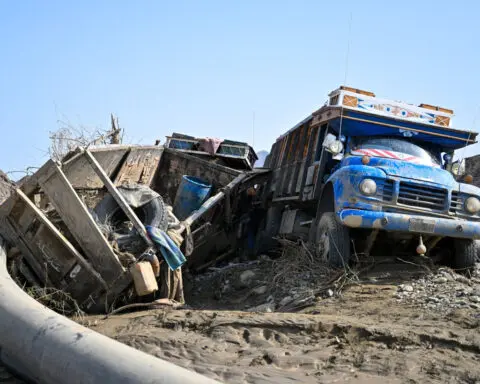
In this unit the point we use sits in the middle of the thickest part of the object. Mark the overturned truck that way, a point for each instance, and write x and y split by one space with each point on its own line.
84 225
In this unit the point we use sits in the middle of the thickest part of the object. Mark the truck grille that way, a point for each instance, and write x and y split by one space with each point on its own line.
456 205
421 196
385 189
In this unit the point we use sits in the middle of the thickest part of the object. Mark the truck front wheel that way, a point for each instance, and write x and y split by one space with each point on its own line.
332 241
465 255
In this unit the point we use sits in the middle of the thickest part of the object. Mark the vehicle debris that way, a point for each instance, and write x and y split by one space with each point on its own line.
113 225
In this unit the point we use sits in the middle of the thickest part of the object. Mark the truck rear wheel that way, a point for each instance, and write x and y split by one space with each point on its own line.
332 241
465 255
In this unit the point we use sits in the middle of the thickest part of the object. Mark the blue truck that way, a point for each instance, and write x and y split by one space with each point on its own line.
367 175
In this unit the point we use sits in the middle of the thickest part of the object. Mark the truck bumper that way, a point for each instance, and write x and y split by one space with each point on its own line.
411 223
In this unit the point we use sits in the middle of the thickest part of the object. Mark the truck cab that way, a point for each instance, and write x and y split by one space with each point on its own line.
374 176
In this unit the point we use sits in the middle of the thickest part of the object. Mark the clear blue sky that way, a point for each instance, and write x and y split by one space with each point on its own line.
203 67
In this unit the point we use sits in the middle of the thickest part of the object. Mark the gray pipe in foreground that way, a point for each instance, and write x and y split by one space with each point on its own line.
46 347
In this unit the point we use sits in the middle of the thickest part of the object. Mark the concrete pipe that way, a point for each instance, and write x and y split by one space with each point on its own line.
45 347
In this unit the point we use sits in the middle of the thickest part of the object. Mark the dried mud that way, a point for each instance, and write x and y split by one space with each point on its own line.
364 336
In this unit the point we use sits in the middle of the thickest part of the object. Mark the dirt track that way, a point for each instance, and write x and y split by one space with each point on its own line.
365 336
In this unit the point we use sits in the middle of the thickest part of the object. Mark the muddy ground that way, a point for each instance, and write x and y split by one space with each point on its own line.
379 327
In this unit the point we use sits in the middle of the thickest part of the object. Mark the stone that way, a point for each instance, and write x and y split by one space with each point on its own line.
267 307
447 275
329 293
285 301
406 288
474 299
247 276
440 280
462 279
260 290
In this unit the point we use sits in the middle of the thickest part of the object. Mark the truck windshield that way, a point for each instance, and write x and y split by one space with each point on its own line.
390 147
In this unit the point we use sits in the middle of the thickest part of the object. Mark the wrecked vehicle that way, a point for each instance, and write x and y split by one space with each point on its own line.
114 224
366 175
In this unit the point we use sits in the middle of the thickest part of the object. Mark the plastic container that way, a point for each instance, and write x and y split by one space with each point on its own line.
144 278
191 194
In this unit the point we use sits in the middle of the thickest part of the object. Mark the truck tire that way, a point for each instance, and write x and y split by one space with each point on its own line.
332 241
7 377
154 213
466 253
267 230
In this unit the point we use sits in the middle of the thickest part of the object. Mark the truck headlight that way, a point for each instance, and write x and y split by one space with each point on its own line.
369 187
472 205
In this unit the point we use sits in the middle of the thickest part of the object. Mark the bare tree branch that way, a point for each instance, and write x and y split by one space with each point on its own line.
68 137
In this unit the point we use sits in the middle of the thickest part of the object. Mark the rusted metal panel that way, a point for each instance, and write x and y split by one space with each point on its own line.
283 147
300 178
81 224
313 158
140 166
81 175
175 164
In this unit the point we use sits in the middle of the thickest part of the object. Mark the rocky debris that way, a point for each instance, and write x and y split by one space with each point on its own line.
232 285
443 290
267 307
260 290
247 276
406 288
289 283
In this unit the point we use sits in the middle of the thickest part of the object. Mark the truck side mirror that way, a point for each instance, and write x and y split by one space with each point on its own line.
458 168
332 145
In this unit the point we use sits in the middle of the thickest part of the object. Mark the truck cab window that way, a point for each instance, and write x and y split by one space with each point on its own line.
386 143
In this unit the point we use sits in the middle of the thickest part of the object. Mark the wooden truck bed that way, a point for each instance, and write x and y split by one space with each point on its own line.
62 246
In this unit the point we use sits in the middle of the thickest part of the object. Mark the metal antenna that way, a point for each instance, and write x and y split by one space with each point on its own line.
347 57
253 130
348 48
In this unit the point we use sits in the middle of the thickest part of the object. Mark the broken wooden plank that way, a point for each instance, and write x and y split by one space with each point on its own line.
15 236
76 217
118 198
80 259
140 166
82 176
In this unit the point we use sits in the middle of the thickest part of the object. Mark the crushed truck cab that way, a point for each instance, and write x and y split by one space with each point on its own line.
377 175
